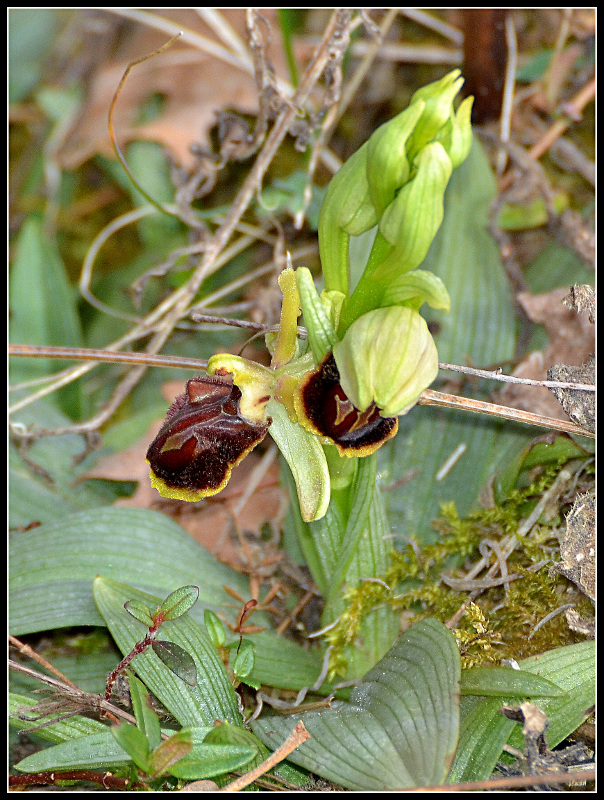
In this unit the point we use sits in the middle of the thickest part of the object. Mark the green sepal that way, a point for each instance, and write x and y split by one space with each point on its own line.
388 357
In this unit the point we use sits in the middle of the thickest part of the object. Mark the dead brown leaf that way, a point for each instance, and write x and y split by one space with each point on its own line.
580 406
578 545
571 341
194 85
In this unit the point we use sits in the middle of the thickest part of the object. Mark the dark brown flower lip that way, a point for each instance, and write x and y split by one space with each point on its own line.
203 437
324 409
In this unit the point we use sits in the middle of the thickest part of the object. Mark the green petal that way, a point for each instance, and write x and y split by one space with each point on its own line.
321 332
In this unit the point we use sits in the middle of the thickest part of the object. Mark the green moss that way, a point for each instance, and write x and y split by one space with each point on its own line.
413 583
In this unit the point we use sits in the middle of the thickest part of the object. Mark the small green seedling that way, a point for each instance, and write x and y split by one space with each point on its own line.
172 655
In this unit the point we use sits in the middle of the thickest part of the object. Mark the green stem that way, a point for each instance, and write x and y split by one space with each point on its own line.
368 292
348 544
357 523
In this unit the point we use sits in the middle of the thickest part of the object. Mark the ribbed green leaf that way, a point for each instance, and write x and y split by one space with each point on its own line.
357 524
400 728
323 543
226 734
95 751
53 566
43 306
52 491
484 731
209 760
504 681
146 718
573 669
211 698
89 669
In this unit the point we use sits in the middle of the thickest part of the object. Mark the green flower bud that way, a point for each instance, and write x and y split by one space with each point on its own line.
387 357
456 136
438 98
347 210
387 165
412 219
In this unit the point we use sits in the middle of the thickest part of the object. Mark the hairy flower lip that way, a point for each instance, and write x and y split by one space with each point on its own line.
325 410
202 439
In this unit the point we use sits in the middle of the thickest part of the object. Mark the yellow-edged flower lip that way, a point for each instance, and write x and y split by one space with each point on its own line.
324 409
203 437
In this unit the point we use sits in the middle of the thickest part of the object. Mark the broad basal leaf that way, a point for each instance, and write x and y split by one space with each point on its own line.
400 728
484 731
